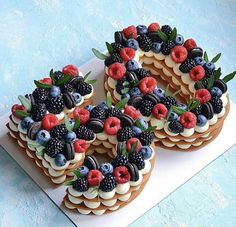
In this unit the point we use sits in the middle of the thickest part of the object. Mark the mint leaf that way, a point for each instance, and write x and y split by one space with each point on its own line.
87 75
205 56
25 102
98 54
124 90
229 77
199 84
217 73
109 100
67 123
34 144
162 36
151 129
40 151
176 93
91 81
21 114
77 123
167 91
68 183
109 48
65 79
216 58
51 74
77 173
121 104
133 147
178 110
210 82
193 104
41 85
173 34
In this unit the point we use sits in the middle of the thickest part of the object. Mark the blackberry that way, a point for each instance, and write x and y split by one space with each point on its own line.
146 107
197 111
98 112
40 95
54 147
124 134
141 73
116 47
59 131
66 88
108 183
167 46
58 75
137 159
119 87
166 29
145 43
203 81
120 160
113 112
83 88
55 105
187 65
38 111
217 104
169 101
115 57
146 138
84 133
176 127
80 185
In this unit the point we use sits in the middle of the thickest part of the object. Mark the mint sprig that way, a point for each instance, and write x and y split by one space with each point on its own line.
99 54
178 110
67 123
121 104
193 104
87 75
42 85
173 34
162 36
52 75
77 123
68 183
109 48
217 73
25 102
211 82
21 114
216 58
109 100
77 173
151 129
205 56
133 147
229 77
65 79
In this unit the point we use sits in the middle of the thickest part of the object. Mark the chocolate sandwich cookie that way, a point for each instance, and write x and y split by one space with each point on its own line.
131 77
195 52
33 130
119 37
120 147
126 120
69 151
96 125
221 85
207 110
91 162
75 81
133 170
151 97
135 101
69 100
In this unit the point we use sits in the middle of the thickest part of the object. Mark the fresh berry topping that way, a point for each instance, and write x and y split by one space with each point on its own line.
142 124
116 71
124 134
179 54
59 131
182 106
49 122
201 120
146 138
146 152
136 130
106 168
159 111
80 185
46 80
25 122
153 27
175 127
147 85
83 171
38 111
134 91
17 107
145 43
141 73
146 107
156 47
40 95
121 175
84 133
209 68
197 110
197 73
83 88
77 97
66 88
203 95
127 53
130 32
58 75
80 146
137 159
55 105
54 91
199 61
70 70
112 125
132 65
116 47
98 112
203 81
166 29
120 160
108 183
130 143
54 147
132 112
169 101
43 136
167 46
215 91
179 40
188 120
217 104
187 65
113 112
83 114
173 117
113 58
94 177
70 137
160 93
60 160
189 44
141 29
132 43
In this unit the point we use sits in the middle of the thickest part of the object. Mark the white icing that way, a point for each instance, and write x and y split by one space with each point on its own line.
187 132
201 129
107 195
122 188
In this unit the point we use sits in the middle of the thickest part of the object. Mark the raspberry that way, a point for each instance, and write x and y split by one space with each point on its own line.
124 134
127 53
94 177
80 146
179 54
80 185
130 32
49 122
121 175
153 27
203 95
146 107
159 111
130 143
108 183
46 80
189 44
112 125
132 112
147 85
83 114
197 73
116 71
70 70
188 120
17 107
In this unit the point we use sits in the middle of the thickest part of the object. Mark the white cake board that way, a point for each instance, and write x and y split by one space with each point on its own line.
172 169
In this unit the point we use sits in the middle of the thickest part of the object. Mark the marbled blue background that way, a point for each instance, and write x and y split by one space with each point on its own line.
38 35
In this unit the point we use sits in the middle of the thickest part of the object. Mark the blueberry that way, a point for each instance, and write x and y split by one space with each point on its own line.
88 107
141 123
132 65
136 130
179 40
173 116
26 122
132 43
70 136
126 95
60 160
43 136
182 106
54 91
201 120
77 97
134 91
103 105
106 168
146 152
160 93
141 29
209 66
72 123
156 47
215 91
199 61
83 170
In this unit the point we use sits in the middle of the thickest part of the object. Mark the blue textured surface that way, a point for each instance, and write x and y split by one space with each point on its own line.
38 35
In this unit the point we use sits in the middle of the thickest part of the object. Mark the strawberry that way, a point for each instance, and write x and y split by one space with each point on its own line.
179 54
83 114
130 32
49 121
130 143
132 112
127 53
121 175
197 73
188 120
189 44
147 85
159 111
203 95
70 70
116 71
153 27
80 146
112 125
94 177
